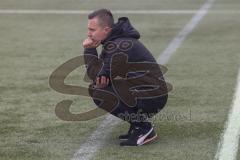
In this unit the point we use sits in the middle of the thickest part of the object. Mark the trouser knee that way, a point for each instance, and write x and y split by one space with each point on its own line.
104 98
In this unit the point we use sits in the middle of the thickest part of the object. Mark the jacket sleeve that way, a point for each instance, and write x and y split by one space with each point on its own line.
105 69
92 62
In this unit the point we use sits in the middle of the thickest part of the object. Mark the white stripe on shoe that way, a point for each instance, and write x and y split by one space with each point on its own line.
141 139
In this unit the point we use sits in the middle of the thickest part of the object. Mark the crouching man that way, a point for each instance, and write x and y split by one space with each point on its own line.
127 70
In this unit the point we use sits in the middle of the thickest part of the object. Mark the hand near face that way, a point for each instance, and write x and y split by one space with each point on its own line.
90 43
102 82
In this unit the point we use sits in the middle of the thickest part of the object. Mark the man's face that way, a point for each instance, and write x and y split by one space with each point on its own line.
97 32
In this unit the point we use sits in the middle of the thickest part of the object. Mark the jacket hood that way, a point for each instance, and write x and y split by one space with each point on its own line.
123 28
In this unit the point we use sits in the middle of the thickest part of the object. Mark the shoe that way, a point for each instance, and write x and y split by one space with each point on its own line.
126 136
139 137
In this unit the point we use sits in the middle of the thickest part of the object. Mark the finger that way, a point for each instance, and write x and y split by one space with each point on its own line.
107 81
90 39
98 81
103 80
87 42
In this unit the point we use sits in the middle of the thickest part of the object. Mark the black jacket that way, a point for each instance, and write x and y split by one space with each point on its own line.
123 43
123 39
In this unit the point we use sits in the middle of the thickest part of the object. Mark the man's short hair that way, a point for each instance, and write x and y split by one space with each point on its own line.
104 16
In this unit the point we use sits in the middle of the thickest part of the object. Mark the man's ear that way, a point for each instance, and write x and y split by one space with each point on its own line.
107 29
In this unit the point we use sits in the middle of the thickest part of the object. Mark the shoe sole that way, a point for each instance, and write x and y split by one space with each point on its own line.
145 140
148 140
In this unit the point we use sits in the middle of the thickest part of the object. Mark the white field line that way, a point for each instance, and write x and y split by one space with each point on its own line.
177 41
228 146
33 11
98 137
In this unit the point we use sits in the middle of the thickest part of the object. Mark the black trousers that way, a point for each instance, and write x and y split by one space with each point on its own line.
144 108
